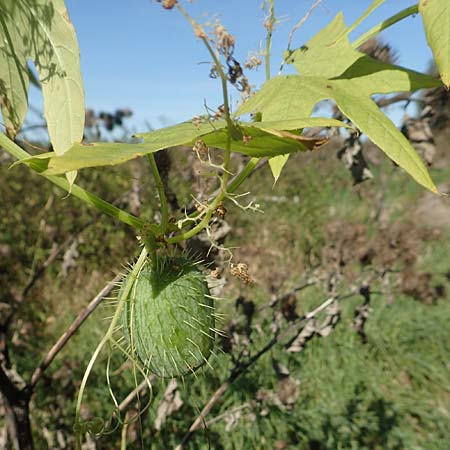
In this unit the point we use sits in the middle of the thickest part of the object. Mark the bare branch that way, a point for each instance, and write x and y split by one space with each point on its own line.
204 412
37 374
230 412
143 386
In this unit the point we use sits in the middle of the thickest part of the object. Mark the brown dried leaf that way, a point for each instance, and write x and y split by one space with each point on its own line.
304 336
310 143
170 403
288 391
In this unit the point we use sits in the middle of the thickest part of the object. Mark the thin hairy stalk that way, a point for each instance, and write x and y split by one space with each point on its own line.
269 24
87 197
201 225
109 333
161 193
385 24
358 21
234 183
202 35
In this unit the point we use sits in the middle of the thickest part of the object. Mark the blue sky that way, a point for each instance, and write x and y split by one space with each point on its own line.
135 54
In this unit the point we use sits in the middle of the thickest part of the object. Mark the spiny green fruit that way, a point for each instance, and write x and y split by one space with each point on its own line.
169 317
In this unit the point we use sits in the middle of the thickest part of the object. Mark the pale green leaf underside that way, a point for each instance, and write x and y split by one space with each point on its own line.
42 31
258 139
436 20
107 153
295 95
257 143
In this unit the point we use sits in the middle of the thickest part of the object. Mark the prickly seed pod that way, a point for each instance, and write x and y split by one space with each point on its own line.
168 317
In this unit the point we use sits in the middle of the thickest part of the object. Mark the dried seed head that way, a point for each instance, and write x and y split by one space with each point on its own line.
168 4
221 210
220 112
213 73
201 149
199 32
252 62
268 25
197 121
224 40
240 271
215 273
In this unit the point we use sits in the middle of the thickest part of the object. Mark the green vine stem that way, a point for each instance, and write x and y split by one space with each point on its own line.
232 186
242 176
126 289
385 24
13 149
161 193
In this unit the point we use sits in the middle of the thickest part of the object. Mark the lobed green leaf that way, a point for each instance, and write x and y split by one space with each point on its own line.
350 80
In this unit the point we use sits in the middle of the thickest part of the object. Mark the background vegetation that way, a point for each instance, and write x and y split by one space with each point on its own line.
383 384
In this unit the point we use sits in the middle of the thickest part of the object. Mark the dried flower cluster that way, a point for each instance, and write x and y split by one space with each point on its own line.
224 41
225 45
252 62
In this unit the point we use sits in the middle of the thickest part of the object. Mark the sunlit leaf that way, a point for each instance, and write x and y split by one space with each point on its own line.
41 30
179 134
255 142
436 19
330 68
14 80
276 165
107 153
296 124
325 57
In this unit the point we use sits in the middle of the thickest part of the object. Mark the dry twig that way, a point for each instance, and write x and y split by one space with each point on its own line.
59 345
